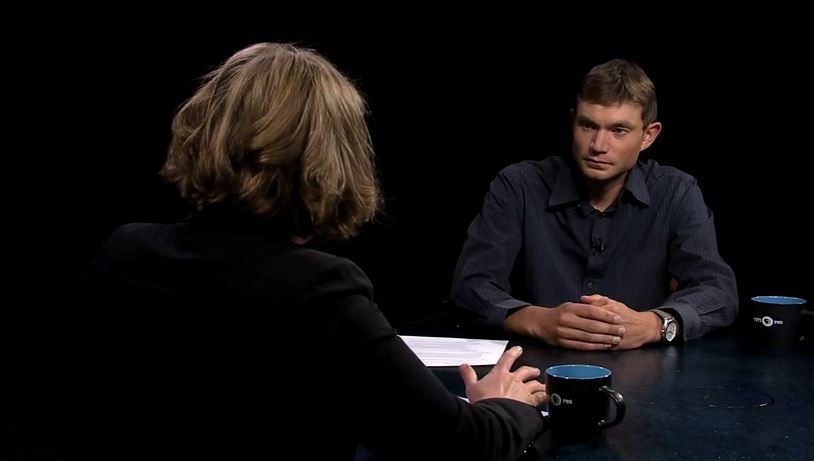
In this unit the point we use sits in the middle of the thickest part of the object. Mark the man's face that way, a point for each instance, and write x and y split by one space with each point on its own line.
608 139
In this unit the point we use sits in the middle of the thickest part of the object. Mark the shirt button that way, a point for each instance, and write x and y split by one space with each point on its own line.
591 285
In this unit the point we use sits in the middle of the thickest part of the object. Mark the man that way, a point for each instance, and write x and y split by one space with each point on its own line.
603 250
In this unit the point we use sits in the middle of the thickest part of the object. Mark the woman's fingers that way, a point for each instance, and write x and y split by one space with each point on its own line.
526 373
504 364
468 374
535 386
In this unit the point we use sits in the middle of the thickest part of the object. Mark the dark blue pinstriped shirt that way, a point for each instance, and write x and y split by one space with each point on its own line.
537 240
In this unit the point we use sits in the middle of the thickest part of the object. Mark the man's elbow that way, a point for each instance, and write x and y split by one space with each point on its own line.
732 303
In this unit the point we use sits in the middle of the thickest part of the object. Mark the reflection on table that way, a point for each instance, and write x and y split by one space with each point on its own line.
711 398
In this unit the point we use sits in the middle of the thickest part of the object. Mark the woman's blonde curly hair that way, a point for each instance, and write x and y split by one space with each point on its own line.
280 133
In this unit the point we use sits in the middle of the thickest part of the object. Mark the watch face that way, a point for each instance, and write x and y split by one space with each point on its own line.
670 334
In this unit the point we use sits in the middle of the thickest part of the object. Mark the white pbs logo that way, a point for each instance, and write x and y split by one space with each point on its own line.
767 321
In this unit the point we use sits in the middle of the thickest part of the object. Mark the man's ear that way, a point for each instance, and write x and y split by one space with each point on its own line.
650 134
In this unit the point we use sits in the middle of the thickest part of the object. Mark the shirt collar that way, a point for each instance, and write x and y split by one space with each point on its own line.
637 186
565 186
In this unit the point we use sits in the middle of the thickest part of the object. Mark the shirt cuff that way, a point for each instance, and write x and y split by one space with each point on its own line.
497 315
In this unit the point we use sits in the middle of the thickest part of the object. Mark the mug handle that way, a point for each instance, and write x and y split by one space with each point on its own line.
619 402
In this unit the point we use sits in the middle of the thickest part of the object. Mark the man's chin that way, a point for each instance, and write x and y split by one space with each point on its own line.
595 175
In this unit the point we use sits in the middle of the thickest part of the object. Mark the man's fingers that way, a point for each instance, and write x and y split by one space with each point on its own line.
596 300
588 311
601 328
581 345
608 334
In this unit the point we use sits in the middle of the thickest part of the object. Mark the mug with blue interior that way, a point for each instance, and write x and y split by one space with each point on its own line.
774 320
579 399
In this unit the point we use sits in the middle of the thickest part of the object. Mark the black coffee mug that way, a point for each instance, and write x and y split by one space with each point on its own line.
774 321
579 399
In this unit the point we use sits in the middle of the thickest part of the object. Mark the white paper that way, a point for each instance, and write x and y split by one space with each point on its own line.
451 352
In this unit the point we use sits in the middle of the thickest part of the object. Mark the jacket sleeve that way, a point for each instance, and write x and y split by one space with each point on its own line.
403 411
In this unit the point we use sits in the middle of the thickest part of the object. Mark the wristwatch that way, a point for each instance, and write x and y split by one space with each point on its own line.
669 326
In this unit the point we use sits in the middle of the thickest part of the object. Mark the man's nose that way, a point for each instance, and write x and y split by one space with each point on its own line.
599 143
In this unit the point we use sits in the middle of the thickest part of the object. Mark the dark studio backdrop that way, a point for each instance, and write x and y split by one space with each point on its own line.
452 102
448 110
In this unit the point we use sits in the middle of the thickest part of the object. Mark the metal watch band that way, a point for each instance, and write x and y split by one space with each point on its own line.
665 317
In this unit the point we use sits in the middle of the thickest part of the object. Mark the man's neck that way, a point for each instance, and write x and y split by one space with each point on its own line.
601 195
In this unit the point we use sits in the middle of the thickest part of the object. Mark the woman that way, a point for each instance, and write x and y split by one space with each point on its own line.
273 150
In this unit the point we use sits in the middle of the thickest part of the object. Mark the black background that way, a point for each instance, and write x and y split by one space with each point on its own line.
451 101
454 97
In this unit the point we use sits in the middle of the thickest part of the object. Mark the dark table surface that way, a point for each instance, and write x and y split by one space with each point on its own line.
708 399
